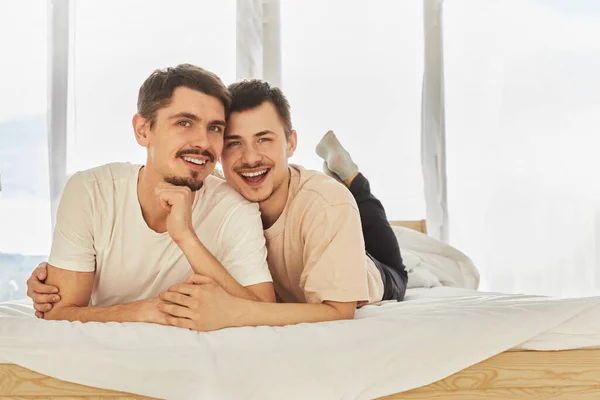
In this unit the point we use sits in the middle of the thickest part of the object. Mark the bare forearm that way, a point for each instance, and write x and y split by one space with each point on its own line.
204 263
278 314
118 313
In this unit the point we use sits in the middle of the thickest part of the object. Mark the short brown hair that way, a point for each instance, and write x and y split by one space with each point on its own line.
249 94
157 90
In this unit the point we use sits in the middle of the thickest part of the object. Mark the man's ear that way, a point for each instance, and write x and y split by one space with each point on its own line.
141 128
292 142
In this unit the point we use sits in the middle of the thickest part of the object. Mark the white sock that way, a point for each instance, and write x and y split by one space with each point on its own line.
338 160
329 172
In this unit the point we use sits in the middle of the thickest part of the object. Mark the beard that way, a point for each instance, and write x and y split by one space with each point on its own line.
274 190
191 182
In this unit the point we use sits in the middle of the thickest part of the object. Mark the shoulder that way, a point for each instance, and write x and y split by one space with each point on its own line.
219 189
223 197
318 189
104 175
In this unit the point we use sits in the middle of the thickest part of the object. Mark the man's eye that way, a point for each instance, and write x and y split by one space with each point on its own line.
263 140
231 144
215 128
185 124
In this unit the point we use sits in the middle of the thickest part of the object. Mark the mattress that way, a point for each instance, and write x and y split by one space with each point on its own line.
388 348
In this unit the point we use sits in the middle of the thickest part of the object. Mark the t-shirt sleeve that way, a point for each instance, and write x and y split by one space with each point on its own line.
245 252
335 266
73 239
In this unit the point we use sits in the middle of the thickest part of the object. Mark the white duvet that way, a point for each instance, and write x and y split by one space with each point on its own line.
388 348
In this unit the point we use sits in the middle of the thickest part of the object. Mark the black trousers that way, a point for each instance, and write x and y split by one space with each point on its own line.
380 241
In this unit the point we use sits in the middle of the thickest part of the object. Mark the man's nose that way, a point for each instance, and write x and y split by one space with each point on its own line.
200 138
251 155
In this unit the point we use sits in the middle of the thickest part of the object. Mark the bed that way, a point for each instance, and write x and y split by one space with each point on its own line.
569 374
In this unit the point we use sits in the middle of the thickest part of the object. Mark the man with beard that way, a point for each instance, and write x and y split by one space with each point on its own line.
330 245
126 232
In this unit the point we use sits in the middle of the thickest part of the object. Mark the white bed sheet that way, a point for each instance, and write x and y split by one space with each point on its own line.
388 348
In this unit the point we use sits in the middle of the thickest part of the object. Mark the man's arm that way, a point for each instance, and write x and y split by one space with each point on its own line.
246 254
72 264
257 314
43 296
334 280
76 289
204 263
201 304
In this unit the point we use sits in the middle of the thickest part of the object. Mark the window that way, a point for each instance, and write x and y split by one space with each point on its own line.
522 105
115 46
25 231
357 68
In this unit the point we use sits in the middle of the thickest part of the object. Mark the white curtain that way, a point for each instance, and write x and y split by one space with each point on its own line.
522 115
356 67
24 198
433 128
24 194
249 39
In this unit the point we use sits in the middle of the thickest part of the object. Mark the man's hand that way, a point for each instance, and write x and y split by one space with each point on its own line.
43 296
177 200
200 304
147 311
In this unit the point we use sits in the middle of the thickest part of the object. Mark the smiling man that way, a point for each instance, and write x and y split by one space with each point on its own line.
330 246
126 232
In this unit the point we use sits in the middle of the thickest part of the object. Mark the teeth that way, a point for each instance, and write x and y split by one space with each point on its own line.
194 160
253 174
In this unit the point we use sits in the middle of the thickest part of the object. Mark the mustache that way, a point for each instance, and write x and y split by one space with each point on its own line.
206 153
251 166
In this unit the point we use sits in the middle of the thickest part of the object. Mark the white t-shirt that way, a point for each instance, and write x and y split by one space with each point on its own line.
100 227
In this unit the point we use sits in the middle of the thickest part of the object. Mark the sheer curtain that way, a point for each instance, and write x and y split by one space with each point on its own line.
357 68
115 45
24 191
522 117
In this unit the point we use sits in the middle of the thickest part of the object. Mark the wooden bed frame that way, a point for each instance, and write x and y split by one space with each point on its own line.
519 375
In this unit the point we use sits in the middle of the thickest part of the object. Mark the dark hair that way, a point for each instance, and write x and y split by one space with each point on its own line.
249 94
157 90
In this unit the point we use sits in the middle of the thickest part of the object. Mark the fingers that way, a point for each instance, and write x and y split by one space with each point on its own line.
45 298
42 271
175 310
39 274
35 283
176 298
41 293
42 296
165 204
39 315
165 186
198 279
42 307
38 287
180 322
192 285
172 194
184 288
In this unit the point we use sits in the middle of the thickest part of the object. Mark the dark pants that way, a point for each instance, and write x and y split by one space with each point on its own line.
380 241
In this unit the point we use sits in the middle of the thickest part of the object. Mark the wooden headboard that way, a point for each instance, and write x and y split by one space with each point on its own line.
419 226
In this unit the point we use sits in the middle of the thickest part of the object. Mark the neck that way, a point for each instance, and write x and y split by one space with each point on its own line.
272 208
